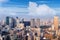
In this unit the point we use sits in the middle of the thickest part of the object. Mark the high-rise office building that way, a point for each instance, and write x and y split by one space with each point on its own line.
37 23
32 23
11 22
7 20
17 21
56 24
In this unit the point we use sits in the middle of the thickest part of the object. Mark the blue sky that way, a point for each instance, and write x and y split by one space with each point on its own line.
23 8
24 3
15 3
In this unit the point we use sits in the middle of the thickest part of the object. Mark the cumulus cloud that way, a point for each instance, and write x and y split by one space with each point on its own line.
40 10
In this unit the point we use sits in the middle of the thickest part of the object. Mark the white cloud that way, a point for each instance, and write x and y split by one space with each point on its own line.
32 8
12 11
1 1
40 10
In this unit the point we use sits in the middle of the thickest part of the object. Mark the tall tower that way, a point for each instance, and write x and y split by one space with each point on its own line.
13 23
7 20
37 23
56 24
32 23
17 21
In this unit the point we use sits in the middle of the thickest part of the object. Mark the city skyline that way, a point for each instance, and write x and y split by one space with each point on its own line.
29 20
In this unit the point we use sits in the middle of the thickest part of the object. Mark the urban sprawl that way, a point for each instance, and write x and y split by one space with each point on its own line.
33 29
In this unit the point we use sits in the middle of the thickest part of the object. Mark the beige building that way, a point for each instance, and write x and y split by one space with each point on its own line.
17 21
20 25
56 24
36 30
36 38
52 27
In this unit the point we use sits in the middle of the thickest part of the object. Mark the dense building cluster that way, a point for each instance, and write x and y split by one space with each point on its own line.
34 29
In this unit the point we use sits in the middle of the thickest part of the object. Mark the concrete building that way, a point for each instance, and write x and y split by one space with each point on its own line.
37 23
32 23
21 25
17 21
56 22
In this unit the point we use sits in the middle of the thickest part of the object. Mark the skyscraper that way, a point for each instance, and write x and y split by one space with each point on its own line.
32 23
17 21
56 24
13 22
10 21
37 23
7 20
